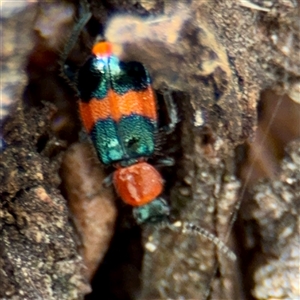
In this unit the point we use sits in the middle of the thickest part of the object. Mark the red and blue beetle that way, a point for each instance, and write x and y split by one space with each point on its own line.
118 110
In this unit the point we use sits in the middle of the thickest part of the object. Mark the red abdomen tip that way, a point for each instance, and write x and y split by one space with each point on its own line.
102 49
138 184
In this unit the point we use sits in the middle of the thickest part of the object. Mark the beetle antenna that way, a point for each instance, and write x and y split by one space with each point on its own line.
190 228
84 17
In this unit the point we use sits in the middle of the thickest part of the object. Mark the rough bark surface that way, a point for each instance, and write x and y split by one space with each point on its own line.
214 58
38 255
274 207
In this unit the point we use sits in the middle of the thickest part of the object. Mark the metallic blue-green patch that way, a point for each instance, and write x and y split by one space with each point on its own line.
93 80
106 141
132 137
154 212
98 75
138 135
131 76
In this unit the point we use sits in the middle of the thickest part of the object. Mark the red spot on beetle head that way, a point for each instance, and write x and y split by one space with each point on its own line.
102 49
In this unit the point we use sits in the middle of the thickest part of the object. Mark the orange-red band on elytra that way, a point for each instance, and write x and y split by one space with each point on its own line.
115 106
